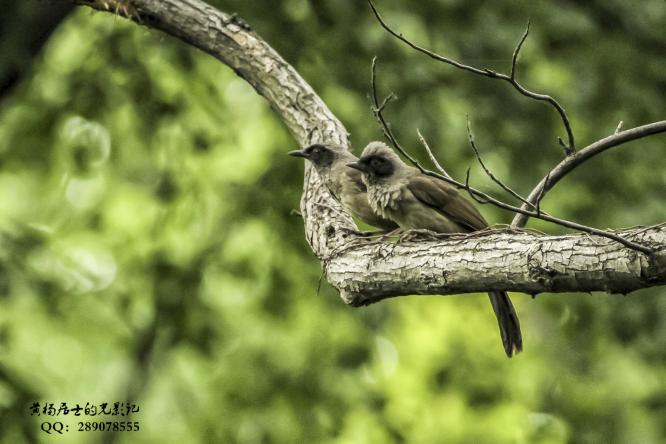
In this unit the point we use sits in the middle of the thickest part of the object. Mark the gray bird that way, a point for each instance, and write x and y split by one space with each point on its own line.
413 200
344 183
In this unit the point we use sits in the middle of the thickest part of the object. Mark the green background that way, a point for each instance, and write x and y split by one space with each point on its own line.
149 251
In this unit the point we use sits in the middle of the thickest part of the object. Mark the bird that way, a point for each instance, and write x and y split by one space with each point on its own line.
345 184
414 200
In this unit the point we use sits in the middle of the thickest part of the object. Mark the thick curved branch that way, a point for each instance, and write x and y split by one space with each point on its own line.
230 40
365 270
571 162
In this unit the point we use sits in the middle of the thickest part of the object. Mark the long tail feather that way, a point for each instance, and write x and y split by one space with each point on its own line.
508 322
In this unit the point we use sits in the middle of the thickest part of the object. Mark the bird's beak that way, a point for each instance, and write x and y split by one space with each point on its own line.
357 166
298 153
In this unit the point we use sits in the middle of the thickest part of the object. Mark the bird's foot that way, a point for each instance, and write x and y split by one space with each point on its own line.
417 234
391 234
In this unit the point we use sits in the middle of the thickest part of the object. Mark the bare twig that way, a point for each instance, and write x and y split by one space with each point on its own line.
385 102
570 163
377 110
362 274
514 59
433 159
470 137
540 196
567 151
484 198
619 127
472 192
570 147
480 196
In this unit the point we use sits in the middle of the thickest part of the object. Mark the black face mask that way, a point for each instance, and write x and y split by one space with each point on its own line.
378 166
320 155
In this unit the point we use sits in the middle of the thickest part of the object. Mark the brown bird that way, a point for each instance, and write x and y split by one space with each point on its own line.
344 183
413 200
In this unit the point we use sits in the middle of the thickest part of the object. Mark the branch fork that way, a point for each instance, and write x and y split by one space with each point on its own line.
367 270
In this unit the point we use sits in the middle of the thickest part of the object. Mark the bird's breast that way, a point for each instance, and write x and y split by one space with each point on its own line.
384 200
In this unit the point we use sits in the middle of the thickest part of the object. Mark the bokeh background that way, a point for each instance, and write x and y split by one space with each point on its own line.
149 250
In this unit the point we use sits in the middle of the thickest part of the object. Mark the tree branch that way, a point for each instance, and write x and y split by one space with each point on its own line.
433 159
572 160
230 40
570 148
497 260
484 198
570 163
514 58
383 124
366 270
508 189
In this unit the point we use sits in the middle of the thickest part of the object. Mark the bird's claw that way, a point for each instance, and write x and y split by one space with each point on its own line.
416 234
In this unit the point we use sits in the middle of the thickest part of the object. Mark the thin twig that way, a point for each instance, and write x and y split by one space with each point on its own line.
433 159
619 127
570 148
472 192
484 198
386 100
540 196
480 197
377 110
570 163
514 59
470 137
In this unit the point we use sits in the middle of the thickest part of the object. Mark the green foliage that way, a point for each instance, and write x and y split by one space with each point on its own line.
149 251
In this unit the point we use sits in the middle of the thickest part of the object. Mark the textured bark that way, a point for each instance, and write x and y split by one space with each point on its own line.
497 260
232 41
366 270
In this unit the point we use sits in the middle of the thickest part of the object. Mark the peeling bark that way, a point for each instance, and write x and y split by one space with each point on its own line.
365 270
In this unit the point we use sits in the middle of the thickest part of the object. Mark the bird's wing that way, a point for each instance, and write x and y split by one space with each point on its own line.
447 200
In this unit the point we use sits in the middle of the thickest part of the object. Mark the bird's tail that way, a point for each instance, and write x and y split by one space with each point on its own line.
508 322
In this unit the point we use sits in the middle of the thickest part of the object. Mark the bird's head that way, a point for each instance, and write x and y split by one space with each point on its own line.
321 156
377 162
